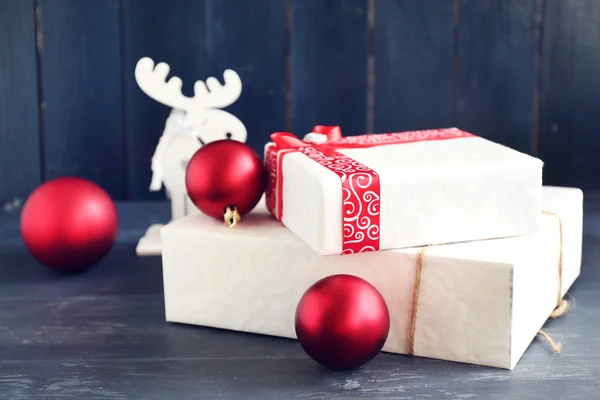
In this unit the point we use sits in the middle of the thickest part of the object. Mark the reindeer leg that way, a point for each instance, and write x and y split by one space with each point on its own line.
178 205
190 206
175 123
156 163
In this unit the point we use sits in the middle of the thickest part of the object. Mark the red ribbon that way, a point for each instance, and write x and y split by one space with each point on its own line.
286 140
360 184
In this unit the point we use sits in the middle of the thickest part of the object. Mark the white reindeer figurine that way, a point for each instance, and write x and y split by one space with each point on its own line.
194 121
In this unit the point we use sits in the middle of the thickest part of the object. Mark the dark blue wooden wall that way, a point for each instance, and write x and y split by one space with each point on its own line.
525 73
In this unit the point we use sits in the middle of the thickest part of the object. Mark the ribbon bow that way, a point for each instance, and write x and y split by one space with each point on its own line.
286 140
360 184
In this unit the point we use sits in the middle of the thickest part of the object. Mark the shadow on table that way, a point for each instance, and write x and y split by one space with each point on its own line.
120 272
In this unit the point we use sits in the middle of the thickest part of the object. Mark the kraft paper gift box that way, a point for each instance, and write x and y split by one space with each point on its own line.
387 191
480 302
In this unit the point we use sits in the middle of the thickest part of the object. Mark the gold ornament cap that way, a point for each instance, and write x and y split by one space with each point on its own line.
232 216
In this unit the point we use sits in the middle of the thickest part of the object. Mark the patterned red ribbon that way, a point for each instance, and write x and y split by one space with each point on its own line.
360 184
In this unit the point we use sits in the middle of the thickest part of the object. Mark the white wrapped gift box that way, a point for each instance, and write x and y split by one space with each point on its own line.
480 302
436 186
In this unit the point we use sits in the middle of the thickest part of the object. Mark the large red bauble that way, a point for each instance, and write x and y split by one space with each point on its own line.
69 224
342 321
225 173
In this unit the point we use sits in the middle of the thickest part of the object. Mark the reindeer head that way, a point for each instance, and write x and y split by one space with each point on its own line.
202 110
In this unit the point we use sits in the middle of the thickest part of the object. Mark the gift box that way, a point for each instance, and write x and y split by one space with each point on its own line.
478 302
386 191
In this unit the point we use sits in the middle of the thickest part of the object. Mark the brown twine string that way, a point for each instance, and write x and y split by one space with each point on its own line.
562 305
557 347
415 300
561 308
559 298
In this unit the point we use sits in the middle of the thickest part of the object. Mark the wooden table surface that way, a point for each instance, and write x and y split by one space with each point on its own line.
102 335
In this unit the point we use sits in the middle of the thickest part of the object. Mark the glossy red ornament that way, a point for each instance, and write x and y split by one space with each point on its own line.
69 224
342 321
223 174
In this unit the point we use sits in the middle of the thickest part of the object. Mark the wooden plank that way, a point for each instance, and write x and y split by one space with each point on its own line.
250 38
167 31
497 53
570 101
102 335
224 375
413 64
82 92
329 49
19 130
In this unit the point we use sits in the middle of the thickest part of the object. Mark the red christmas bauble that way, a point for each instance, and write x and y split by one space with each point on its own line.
69 224
225 174
342 321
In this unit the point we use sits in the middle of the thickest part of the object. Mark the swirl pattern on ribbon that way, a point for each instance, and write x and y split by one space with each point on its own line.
271 167
360 199
360 184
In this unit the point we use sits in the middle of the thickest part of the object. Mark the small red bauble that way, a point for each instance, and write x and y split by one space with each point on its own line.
69 224
342 321
225 179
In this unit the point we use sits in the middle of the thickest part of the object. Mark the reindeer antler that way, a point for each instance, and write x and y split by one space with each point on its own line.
217 95
152 80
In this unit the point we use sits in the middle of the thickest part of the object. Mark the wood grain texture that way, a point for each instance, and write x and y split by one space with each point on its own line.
167 31
81 86
329 48
250 38
570 101
497 53
19 130
102 335
414 65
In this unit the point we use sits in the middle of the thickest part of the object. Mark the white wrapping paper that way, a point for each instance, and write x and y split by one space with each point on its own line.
481 302
432 192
